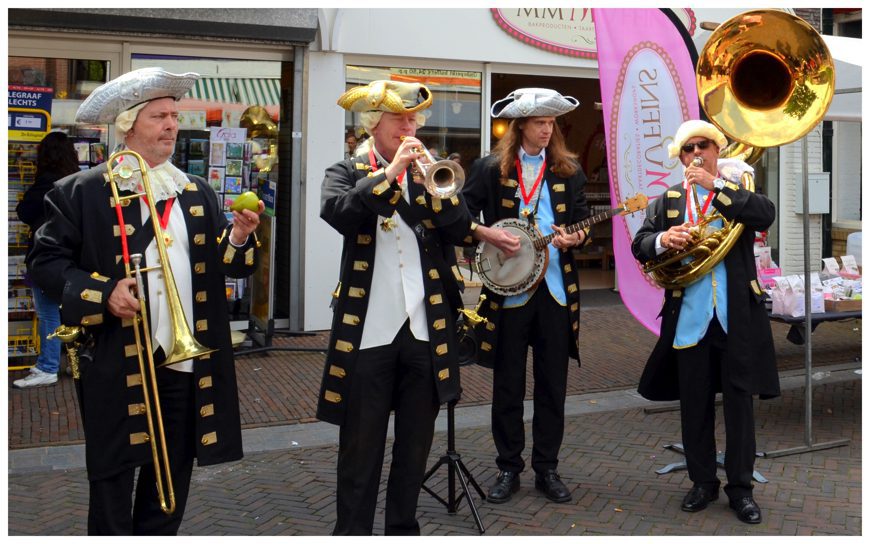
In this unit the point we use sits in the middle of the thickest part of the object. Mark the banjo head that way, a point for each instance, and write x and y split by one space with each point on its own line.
519 273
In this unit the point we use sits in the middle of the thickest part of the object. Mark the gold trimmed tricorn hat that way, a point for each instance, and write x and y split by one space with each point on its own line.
390 96
533 102
104 104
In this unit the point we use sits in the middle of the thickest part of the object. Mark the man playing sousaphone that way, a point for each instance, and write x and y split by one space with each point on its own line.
80 257
530 175
715 332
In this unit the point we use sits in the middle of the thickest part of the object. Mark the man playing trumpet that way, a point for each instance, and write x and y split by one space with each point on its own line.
393 343
79 258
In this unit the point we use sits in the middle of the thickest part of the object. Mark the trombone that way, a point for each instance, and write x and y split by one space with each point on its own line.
442 179
184 345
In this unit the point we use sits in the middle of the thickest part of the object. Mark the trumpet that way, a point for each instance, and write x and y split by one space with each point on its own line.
184 345
441 179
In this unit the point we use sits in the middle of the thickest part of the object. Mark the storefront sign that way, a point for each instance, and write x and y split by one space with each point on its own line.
229 135
436 78
566 31
29 112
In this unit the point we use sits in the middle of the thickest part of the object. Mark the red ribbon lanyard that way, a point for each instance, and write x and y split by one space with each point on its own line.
166 211
689 204
374 163
528 197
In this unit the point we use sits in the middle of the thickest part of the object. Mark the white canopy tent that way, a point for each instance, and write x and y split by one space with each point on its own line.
848 61
846 106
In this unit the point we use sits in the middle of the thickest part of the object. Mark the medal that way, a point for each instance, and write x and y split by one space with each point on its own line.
388 224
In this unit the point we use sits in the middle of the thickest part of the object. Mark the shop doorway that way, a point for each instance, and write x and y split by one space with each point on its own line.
583 129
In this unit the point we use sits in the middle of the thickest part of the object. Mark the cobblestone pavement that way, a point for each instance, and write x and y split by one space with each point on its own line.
608 460
280 387
614 442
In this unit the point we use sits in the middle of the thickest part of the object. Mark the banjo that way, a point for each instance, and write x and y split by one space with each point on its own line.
524 270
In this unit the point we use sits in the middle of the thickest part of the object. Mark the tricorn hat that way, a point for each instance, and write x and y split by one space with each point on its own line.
104 104
533 102
391 96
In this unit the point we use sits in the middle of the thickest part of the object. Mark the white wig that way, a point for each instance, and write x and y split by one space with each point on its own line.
125 120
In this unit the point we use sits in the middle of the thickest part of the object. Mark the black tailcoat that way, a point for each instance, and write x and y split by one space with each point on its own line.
352 197
77 259
497 198
751 360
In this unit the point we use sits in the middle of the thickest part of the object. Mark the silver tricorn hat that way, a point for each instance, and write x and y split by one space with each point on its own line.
104 104
533 102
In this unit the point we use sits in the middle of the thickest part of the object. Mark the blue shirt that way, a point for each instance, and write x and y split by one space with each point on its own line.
544 221
704 299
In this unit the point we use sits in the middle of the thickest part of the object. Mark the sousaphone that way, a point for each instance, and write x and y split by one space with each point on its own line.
765 78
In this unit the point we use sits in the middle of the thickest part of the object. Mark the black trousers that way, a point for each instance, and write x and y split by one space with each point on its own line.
112 510
540 323
702 369
396 377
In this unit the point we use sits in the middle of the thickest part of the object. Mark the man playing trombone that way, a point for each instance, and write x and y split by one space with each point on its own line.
393 343
183 403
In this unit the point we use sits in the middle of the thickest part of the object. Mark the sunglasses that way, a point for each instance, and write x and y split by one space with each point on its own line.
703 144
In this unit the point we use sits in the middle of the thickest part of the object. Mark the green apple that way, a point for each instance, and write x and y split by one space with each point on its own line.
246 201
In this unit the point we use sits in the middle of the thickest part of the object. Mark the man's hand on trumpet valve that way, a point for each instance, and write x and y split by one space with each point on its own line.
123 301
407 153
676 237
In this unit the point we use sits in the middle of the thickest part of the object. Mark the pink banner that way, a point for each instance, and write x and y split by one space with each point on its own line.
646 67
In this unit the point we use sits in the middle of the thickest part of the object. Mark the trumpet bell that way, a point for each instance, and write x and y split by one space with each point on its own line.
765 78
444 179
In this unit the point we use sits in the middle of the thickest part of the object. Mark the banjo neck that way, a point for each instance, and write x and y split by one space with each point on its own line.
542 242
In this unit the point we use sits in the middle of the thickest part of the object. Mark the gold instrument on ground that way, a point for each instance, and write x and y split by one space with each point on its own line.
765 78
184 345
442 178
69 335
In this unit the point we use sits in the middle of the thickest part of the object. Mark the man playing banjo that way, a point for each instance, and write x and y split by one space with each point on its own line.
531 177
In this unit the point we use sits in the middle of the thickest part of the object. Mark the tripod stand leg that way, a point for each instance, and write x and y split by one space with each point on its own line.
463 470
429 474
464 483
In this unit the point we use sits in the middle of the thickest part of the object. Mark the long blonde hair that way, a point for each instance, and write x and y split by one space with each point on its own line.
561 160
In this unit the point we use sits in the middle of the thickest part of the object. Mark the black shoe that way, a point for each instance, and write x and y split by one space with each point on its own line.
506 484
697 499
551 484
747 510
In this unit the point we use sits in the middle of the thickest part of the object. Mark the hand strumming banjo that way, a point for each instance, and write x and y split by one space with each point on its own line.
524 270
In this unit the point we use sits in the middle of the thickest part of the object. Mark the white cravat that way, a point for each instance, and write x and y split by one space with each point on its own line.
397 284
166 181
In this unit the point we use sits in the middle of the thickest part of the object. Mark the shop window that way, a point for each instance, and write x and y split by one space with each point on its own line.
228 134
43 95
452 122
